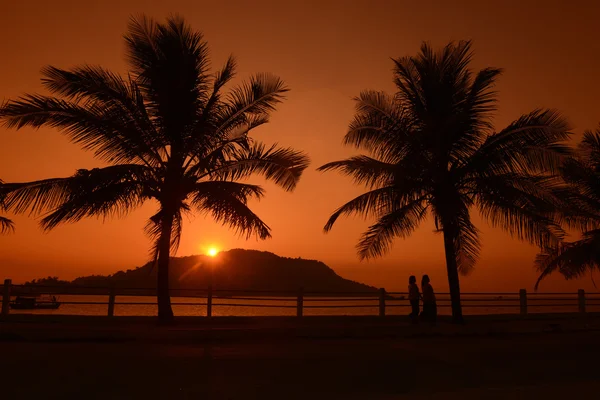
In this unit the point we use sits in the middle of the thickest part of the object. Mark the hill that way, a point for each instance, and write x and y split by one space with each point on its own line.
235 269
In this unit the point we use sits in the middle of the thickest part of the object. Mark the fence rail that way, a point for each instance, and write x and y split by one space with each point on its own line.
378 301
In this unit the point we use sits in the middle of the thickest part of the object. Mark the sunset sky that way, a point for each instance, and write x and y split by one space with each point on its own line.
327 52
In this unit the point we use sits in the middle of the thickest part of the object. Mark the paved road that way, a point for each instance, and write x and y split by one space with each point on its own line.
552 365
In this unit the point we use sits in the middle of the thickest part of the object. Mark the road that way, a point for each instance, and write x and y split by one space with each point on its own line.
552 365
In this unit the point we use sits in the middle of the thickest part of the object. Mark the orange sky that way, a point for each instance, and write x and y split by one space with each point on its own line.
327 51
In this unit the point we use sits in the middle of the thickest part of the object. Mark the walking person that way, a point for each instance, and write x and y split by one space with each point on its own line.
414 297
429 304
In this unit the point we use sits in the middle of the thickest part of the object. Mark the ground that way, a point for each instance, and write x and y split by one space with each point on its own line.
549 365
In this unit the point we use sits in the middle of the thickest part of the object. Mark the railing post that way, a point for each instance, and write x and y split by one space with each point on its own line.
209 297
581 298
300 303
111 301
382 302
6 297
523 301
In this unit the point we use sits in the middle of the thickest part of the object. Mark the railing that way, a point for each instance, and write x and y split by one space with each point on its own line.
204 301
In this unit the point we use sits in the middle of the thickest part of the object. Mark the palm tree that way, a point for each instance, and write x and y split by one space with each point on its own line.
6 225
167 132
582 173
433 150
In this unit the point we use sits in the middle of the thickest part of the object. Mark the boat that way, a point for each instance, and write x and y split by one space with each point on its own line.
35 303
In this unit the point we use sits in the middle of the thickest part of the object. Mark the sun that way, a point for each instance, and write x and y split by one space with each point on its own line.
213 251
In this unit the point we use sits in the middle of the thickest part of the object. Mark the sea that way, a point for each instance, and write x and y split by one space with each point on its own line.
473 304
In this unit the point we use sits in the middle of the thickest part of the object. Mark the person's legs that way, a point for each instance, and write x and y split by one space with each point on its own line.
425 312
415 310
433 315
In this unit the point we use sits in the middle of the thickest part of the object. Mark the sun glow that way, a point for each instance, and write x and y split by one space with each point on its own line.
212 251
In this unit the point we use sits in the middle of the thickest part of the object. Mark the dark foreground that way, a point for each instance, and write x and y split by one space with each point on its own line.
549 365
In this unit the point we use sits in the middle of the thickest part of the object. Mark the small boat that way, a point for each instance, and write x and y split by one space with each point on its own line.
34 303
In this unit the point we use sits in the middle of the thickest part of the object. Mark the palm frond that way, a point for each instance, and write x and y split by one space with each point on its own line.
534 143
589 148
96 85
466 242
472 120
407 80
222 77
37 196
524 206
372 203
400 222
378 103
583 177
539 192
209 157
204 128
227 203
243 128
571 259
6 225
581 197
582 170
364 170
259 95
379 126
283 166
241 191
95 128
101 192
209 150
482 98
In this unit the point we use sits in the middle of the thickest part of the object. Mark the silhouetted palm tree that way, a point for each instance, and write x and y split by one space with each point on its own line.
582 172
168 133
433 149
6 225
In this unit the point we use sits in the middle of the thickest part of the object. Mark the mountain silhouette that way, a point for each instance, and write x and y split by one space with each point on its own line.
236 269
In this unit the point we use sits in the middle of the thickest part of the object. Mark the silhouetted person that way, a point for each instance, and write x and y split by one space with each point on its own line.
414 296
429 305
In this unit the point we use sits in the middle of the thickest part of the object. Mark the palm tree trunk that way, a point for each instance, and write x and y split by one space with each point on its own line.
165 313
452 270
